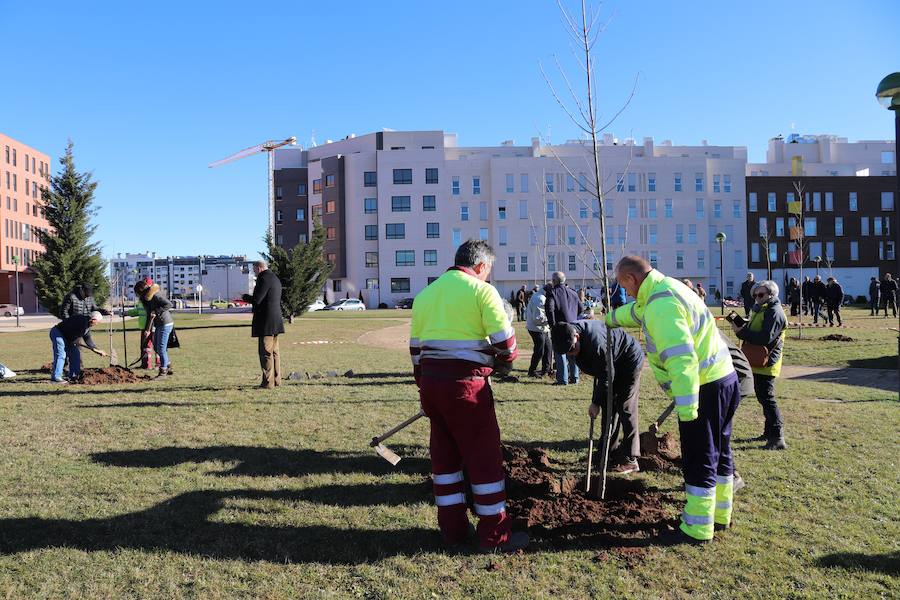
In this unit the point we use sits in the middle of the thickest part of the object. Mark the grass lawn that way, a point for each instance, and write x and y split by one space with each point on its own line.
201 486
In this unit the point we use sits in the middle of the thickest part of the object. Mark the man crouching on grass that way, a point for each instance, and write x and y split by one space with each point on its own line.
65 336
585 342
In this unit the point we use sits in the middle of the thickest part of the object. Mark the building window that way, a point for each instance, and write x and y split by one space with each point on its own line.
455 185
632 208
829 201
523 262
430 258
698 182
429 204
829 250
773 252
371 259
501 235
572 265
763 227
779 227
301 189
839 226
887 200
279 194
570 235
405 258
510 183
372 283
679 234
698 205
583 209
370 206
329 181
809 226
400 204
854 250
432 230
523 183
463 212
864 226
751 201
370 179
482 211
632 182
302 239
402 176
679 259
736 209
548 182
570 183
431 175
853 202
889 250
330 206
551 262
457 238
654 258
476 185
887 158
483 234
772 202
551 209
395 231
279 216
817 201
331 233
332 260
317 186
399 285
652 234
668 209
371 232
651 182
717 209
677 182
727 183
876 225
620 182
511 263
717 188
523 209
501 210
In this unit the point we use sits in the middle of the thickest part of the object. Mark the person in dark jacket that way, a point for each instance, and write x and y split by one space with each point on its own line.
834 297
268 322
157 308
520 304
562 307
65 336
80 301
747 293
766 327
793 295
585 343
804 290
889 294
816 297
874 296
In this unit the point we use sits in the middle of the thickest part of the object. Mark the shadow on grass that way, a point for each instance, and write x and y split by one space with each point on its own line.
878 379
888 563
256 461
190 404
183 524
882 362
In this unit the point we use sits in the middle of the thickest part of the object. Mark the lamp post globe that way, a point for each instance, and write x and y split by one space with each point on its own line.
818 259
720 238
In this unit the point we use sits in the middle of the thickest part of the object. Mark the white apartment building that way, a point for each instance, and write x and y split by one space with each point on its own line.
825 155
222 277
396 206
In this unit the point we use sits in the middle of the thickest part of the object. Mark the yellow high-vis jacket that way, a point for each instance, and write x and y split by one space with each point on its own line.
683 344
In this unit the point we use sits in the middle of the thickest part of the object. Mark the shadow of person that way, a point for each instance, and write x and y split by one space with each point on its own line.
186 524
257 461
888 563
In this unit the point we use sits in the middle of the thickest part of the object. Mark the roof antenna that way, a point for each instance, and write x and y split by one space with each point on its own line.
312 139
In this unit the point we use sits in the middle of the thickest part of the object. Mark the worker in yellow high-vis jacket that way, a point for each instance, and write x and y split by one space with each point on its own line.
692 363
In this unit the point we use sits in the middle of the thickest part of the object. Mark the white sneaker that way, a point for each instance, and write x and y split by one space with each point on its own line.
6 373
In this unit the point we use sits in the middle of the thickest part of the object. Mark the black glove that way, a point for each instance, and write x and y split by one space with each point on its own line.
502 368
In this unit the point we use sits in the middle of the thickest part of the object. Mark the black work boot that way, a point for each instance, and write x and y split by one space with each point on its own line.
776 440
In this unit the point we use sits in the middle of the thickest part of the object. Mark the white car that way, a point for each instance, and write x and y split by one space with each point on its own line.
346 304
317 305
10 310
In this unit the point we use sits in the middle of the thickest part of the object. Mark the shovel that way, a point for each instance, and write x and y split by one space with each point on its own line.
587 481
113 356
385 452
654 427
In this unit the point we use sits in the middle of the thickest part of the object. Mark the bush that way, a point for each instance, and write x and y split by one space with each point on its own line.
382 305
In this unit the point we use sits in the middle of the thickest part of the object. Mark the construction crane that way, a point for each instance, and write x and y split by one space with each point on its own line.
269 148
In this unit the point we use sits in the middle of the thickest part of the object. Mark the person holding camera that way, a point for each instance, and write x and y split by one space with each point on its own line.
763 337
461 335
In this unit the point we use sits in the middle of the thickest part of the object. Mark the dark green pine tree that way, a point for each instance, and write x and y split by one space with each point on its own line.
302 271
70 257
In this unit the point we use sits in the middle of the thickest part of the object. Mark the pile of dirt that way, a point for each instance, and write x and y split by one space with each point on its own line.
837 337
108 375
556 510
659 453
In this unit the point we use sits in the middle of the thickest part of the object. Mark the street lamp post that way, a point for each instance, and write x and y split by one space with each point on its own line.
818 259
199 299
16 265
888 94
720 238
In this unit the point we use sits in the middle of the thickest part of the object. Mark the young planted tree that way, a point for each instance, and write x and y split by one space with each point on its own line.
70 257
302 271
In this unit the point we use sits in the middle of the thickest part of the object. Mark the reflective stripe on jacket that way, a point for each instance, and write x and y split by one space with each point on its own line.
461 318
683 344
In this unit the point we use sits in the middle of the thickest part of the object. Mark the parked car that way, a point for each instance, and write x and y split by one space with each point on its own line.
405 303
239 303
317 305
221 304
346 304
10 310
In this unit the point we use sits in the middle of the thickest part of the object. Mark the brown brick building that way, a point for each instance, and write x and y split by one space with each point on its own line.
851 222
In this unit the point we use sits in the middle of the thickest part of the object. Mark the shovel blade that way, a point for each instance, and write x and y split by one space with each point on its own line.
387 454
113 359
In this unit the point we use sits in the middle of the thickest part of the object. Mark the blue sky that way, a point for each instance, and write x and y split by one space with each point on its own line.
152 92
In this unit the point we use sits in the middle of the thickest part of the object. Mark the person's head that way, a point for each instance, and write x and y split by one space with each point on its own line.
806 278
565 339
79 292
831 280
818 279
793 281
140 287
259 266
588 314
558 278
87 290
750 277
688 283
764 291
535 288
887 276
699 285
631 272
476 255
96 317
873 279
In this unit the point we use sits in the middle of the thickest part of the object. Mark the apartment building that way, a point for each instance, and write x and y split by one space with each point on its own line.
848 219
396 205
23 172
222 277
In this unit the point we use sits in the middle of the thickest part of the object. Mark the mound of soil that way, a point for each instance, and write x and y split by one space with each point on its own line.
556 510
659 453
108 375
836 337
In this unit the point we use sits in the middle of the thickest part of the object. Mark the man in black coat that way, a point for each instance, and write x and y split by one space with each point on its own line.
585 343
747 293
268 323
874 293
562 306
889 294
816 297
805 288
834 297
